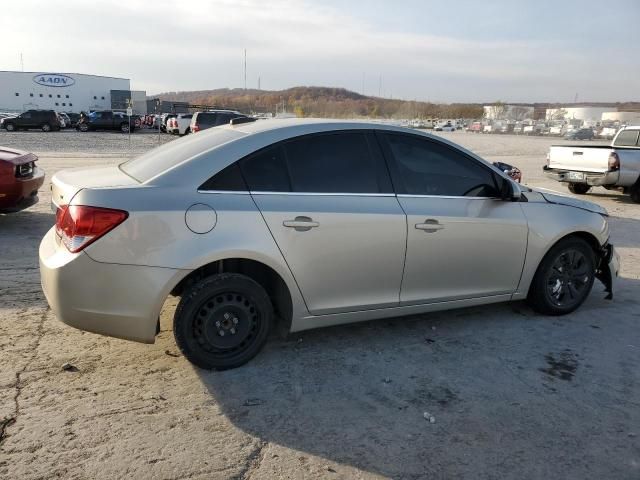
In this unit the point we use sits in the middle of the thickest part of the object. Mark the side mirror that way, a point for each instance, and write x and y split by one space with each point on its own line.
509 190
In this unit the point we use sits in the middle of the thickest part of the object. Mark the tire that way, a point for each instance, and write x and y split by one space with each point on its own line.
124 127
213 311
579 188
10 127
564 277
46 127
634 192
187 131
83 127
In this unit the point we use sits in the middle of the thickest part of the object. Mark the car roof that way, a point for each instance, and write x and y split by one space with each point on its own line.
292 125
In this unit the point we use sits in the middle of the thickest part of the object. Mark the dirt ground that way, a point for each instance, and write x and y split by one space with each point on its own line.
513 394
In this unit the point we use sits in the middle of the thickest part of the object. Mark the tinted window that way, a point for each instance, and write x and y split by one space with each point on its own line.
332 163
225 118
429 168
266 171
627 138
229 179
206 118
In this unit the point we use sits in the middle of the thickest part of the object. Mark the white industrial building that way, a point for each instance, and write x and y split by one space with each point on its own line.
66 92
585 114
629 118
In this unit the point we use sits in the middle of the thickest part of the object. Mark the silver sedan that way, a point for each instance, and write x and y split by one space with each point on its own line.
308 223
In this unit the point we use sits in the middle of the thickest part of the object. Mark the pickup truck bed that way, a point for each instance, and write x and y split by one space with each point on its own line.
610 166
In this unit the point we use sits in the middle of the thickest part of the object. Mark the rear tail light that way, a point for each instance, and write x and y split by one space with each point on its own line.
195 128
78 225
614 161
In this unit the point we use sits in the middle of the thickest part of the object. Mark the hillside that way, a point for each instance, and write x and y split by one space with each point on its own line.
322 102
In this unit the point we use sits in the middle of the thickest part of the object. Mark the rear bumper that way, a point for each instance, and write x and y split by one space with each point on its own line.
21 193
122 301
590 178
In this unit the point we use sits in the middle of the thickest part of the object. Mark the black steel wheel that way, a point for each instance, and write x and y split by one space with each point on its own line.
564 278
579 188
223 321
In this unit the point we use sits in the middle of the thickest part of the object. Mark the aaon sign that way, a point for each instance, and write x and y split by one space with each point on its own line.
53 80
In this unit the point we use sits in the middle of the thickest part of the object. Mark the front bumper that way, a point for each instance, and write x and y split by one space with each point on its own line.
608 268
21 193
121 301
590 178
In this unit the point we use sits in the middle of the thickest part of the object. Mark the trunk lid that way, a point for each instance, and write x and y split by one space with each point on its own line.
16 157
578 158
67 183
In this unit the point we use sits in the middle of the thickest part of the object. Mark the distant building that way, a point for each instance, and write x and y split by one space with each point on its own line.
629 118
155 105
585 114
63 92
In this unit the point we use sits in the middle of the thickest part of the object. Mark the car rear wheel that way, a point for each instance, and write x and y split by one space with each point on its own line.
83 127
223 321
46 127
564 278
579 188
124 127
10 127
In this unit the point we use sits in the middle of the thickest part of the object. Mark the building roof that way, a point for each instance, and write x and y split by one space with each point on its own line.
64 73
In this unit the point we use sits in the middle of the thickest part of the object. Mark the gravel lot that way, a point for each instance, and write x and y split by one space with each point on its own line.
514 394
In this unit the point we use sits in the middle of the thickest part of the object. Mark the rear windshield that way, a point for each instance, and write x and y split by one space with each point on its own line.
627 138
161 159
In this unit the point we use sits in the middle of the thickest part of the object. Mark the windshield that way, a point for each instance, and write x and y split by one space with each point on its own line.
165 157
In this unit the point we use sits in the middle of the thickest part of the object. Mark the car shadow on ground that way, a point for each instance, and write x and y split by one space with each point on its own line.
505 386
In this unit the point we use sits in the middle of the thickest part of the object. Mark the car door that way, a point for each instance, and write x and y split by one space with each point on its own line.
328 202
25 120
462 241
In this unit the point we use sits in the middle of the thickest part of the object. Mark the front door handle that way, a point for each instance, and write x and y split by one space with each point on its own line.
430 225
301 224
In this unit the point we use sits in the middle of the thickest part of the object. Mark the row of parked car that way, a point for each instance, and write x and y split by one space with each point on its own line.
177 124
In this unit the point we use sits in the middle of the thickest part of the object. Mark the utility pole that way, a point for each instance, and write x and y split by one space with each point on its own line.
245 68
258 83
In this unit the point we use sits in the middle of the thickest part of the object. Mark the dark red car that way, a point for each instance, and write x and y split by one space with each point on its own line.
20 180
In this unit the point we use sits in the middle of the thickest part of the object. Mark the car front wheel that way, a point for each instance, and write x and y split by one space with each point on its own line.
223 321
46 127
83 127
124 127
564 277
10 127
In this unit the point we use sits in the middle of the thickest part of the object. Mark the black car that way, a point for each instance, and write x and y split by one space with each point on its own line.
106 120
45 120
582 134
213 118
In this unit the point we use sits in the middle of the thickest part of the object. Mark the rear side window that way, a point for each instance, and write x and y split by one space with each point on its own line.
424 167
332 163
229 179
266 170
627 138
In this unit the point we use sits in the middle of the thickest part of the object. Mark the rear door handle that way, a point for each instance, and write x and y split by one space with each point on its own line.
430 225
301 224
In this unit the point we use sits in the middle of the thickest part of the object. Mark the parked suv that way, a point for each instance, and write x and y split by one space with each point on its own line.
45 120
213 118
106 120
308 223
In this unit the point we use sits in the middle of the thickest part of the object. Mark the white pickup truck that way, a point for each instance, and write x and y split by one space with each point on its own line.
612 167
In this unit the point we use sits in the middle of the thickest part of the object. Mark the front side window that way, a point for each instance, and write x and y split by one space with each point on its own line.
332 163
26 115
425 167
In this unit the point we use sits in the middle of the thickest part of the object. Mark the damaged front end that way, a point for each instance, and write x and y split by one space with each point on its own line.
608 267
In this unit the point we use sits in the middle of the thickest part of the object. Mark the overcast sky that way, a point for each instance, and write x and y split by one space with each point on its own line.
444 51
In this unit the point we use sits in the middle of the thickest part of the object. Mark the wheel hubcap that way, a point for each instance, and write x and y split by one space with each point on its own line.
568 278
225 323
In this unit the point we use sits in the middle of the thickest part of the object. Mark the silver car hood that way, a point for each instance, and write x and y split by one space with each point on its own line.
559 198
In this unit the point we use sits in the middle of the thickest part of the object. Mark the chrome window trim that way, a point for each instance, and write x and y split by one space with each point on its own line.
234 192
322 194
406 195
